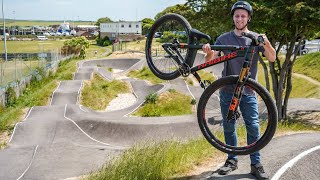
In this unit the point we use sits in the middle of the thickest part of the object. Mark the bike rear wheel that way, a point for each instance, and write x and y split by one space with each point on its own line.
258 113
168 29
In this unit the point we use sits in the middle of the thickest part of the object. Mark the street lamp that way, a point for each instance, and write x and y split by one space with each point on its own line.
4 34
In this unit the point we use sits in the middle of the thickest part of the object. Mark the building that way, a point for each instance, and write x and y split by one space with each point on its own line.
122 30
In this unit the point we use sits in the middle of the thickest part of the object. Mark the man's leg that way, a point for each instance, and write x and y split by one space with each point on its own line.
229 134
250 114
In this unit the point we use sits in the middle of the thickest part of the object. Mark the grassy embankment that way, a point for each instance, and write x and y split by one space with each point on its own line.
308 65
170 159
170 103
97 92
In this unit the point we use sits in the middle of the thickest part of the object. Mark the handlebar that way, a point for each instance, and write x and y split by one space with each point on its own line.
256 40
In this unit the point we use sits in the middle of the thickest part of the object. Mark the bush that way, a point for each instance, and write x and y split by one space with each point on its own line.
77 45
10 96
104 41
152 98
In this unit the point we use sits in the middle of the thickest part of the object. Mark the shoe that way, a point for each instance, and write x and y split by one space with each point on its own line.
229 165
258 171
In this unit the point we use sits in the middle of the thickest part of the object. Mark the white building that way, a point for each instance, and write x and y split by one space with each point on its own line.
124 30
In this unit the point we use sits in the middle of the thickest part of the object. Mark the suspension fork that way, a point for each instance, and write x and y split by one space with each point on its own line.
243 77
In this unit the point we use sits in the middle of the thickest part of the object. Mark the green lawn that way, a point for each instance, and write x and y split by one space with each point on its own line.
32 46
308 65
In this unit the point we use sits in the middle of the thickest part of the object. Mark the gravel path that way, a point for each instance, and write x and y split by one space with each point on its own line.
121 102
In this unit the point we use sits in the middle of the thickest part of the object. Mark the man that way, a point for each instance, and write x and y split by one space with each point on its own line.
241 13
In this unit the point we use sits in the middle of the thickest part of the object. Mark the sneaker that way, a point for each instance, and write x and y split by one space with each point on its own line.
229 165
258 171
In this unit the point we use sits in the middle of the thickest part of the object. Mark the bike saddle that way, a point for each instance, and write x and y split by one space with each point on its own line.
199 35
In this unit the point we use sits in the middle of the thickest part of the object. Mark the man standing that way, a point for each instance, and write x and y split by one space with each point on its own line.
241 13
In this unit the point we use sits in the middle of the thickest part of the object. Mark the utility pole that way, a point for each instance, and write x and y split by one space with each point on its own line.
14 19
4 35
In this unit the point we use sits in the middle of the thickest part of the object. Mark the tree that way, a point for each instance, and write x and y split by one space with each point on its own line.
211 17
103 20
76 46
286 23
146 25
182 9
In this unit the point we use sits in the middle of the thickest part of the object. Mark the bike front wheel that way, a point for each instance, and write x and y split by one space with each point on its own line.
256 122
169 29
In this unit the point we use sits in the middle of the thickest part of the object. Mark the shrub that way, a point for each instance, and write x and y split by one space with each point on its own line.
10 96
77 45
152 98
104 41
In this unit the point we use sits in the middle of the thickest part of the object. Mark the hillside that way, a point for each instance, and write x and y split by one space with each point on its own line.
308 65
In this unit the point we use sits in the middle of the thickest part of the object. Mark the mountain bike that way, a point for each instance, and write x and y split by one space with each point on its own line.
173 53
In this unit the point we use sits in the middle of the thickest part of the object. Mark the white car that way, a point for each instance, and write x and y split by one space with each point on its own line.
42 38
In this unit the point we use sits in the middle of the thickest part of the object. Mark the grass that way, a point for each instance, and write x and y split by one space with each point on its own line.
308 65
32 46
44 46
299 85
140 45
302 88
145 74
36 94
171 159
95 52
170 103
205 75
98 92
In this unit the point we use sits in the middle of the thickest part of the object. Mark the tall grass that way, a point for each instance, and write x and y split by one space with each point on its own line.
97 93
170 103
170 159
156 161
146 74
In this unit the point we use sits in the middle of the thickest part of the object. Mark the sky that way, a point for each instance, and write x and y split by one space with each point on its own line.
85 10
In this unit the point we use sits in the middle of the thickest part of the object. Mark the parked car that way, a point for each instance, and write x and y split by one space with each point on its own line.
42 38
158 35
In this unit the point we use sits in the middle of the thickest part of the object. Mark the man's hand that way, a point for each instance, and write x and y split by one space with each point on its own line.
269 51
210 54
266 40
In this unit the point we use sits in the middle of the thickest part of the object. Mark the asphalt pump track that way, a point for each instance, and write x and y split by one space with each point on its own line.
66 139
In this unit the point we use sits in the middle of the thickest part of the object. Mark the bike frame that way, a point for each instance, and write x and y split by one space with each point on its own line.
236 51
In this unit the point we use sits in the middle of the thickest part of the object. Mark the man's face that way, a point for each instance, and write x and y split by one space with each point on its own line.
240 18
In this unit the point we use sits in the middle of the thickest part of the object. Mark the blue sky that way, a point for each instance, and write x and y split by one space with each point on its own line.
85 9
